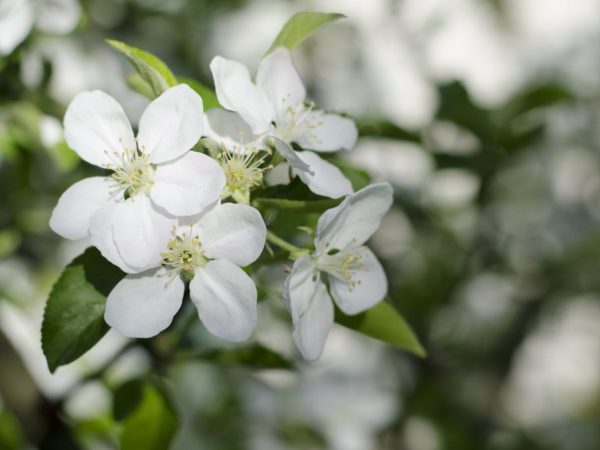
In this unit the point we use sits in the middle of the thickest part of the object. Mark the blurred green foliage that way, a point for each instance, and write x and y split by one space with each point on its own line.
199 398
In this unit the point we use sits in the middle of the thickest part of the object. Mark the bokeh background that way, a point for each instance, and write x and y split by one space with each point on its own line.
483 114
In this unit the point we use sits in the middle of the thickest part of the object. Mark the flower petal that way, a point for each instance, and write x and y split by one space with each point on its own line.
236 92
355 219
97 128
328 133
187 185
141 232
16 20
292 157
369 284
143 305
102 236
226 300
71 216
228 129
326 179
172 124
310 306
235 233
279 79
57 16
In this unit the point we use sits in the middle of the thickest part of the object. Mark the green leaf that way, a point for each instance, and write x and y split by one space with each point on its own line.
539 96
383 322
359 178
300 26
457 106
74 316
137 83
152 70
11 434
300 206
255 356
153 424
383 128
292 197
127 398
209 98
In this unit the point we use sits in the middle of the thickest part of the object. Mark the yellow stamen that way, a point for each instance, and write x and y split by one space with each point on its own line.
133 171
243 172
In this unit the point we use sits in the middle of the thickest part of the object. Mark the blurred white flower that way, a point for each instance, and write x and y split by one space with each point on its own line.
349 411
129 214
275 107
51 131
556 372
209 253
17 18
70 66
355 277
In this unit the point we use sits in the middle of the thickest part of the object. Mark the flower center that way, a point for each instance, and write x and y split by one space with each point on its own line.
243 171
342 266
296 122
183 255
132 172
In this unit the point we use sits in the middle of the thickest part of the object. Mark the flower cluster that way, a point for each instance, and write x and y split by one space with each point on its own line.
172 213
18 17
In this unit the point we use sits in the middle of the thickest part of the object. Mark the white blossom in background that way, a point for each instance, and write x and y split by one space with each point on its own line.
275 106
342 262
129 214
51 131
18 17
208 252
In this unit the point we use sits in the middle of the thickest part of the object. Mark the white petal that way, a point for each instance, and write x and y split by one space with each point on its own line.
232 232
228 129
278 78
370 284
102 236
292 157
355 219
300 284
310 306
278 175
226 300
326 179
328 133
236 92
172 124
97 128
57 16
141 232
71 216
188 185
143 305
16 20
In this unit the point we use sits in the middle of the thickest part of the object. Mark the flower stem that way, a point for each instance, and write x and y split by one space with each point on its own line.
274 239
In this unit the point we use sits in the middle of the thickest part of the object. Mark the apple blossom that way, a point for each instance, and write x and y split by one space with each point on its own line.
340 262
275 107
155 177
17 18
242 162
207 252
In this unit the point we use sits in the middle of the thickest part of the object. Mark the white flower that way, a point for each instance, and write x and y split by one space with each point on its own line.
243 162
129 214
17 18
208 252
275 107
341 262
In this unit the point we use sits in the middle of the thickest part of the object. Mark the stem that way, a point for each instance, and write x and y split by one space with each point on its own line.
274 239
